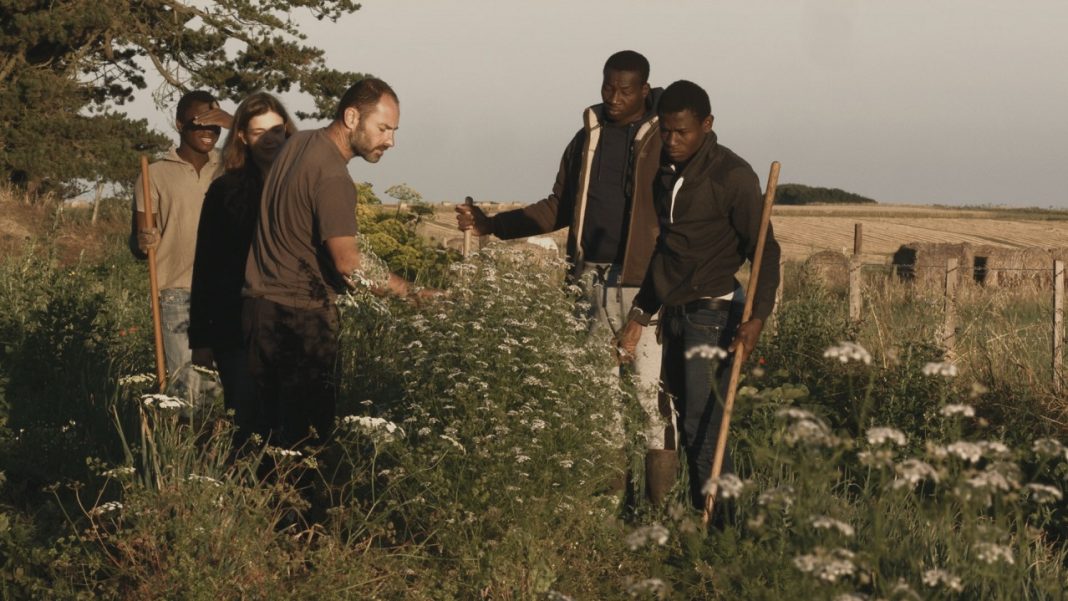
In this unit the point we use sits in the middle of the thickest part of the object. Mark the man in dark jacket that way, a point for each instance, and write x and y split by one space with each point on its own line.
602 193
709 204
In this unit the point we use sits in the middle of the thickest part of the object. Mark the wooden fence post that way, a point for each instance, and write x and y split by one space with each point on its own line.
858 239
1058 324
949 326
854 289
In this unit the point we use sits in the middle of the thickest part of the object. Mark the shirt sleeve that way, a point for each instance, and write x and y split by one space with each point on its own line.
746 212
335 208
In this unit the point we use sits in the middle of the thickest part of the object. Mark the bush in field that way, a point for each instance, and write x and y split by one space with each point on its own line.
391 235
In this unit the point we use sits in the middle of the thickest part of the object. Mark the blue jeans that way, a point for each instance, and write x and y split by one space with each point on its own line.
698 385
183 381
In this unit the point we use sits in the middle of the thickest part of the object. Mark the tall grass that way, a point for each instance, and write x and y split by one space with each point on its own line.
479 439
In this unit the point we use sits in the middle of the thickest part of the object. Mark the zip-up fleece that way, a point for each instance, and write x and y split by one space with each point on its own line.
709 224
566 205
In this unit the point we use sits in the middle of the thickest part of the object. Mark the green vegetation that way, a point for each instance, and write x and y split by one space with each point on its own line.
69 65
477 448
798 194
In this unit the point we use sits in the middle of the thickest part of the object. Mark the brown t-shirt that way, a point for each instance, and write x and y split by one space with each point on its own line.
308 197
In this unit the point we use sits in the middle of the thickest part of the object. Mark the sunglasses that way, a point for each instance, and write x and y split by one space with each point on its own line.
190 126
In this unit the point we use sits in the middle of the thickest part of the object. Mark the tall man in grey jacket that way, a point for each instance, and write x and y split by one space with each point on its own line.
709 203
602 193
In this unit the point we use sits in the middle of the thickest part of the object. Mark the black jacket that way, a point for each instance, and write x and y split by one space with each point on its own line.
708 229
224 236
566 206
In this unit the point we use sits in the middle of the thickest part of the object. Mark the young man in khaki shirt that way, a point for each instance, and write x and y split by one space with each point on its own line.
177 183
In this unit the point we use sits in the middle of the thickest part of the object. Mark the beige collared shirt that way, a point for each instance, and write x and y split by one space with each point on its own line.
177 197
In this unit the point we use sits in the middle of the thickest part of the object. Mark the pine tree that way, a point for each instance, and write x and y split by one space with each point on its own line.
67 67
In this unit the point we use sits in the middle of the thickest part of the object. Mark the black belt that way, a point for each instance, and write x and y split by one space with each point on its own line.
701 304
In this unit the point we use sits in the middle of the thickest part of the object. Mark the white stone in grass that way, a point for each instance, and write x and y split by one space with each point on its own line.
845 352
881 435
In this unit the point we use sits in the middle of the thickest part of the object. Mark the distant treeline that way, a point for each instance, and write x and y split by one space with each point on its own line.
799 194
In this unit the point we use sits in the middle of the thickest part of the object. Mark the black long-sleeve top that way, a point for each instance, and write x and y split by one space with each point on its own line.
709 223
224 236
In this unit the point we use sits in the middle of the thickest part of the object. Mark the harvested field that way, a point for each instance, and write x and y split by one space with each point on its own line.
806 230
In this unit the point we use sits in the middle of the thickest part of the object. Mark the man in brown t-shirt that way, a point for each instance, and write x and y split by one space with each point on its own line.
303 254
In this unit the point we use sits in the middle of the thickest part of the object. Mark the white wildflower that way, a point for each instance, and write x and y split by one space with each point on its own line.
162 401
137 379
203 479
828 523
848 351
537 424
794 413
826 565
913 471
968 451
993 448
1044 493
729 486
704 351
120 472
936 451
566 463
936 577
649 586
557 596
946 369
879 436
957 409
375 427
781 497
1050 448
901 589
991 553
993 480
879 458
522 458
280 452
809 432
851 597
453 442
109 507
653 533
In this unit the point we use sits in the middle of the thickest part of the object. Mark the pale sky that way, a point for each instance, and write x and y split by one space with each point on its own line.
909 101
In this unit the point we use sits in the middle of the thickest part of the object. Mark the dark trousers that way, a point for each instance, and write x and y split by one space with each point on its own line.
698 385
239 389
292 355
